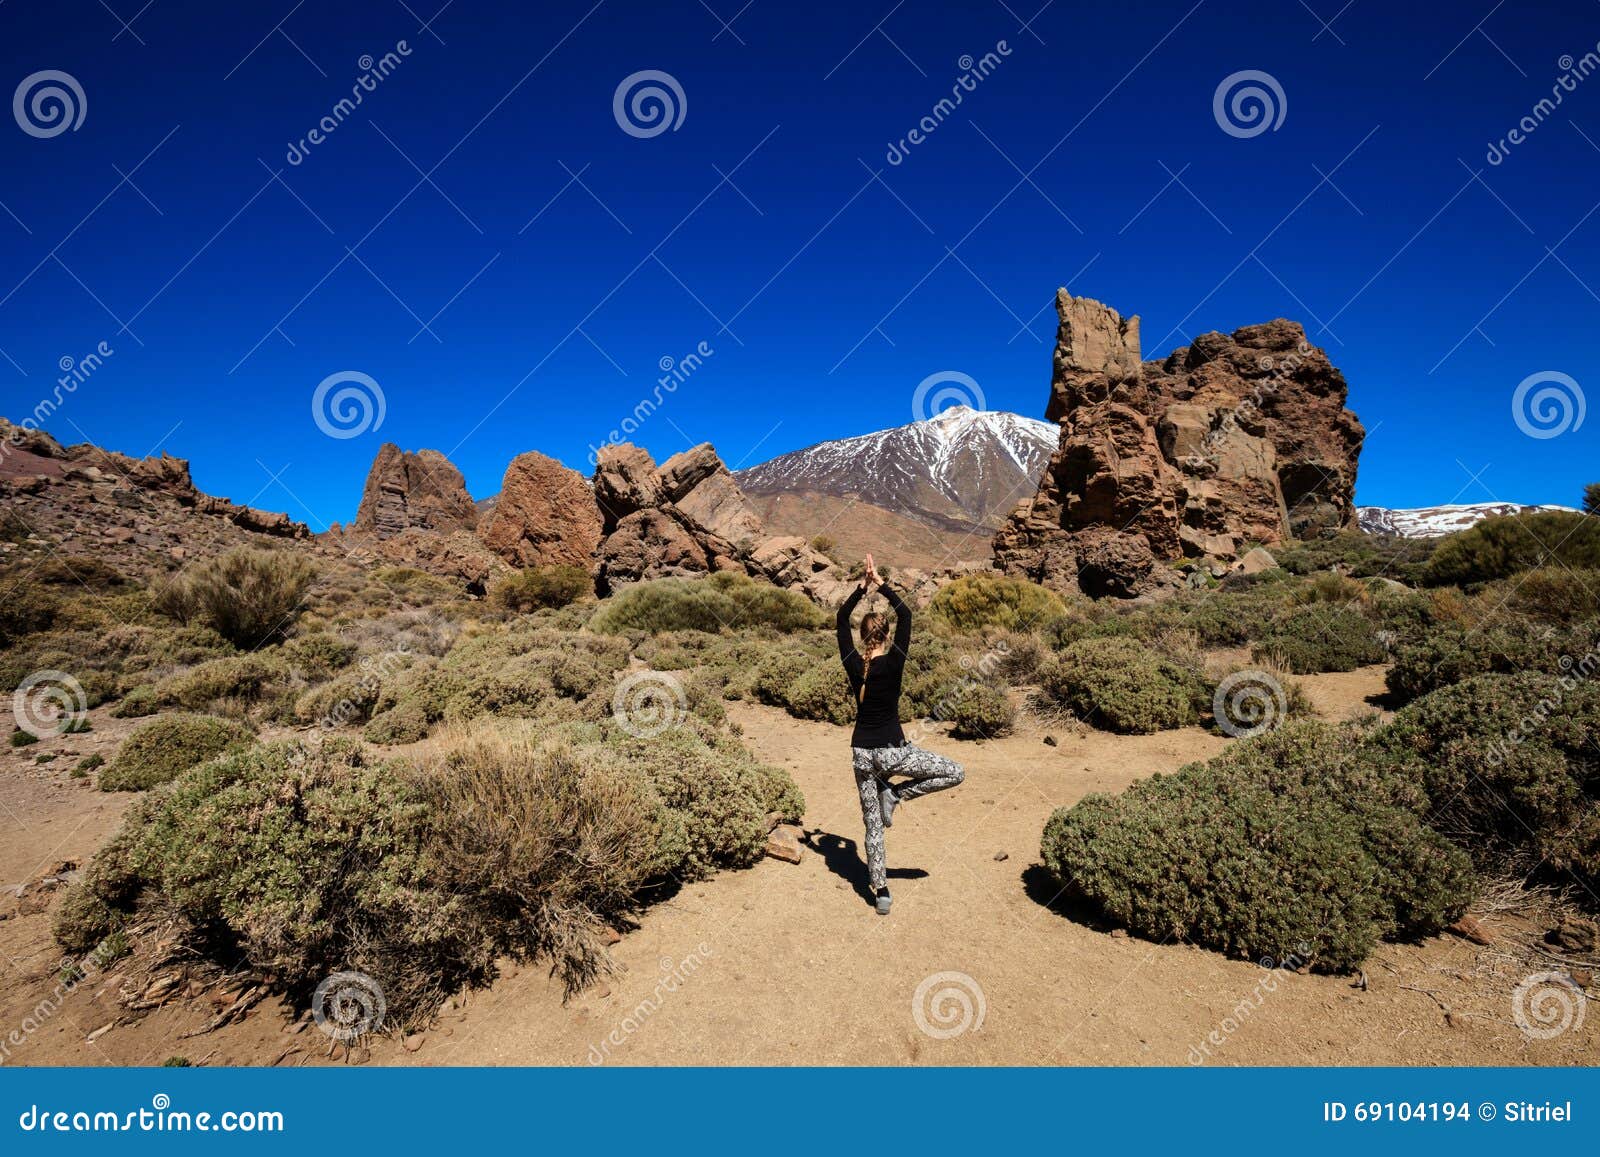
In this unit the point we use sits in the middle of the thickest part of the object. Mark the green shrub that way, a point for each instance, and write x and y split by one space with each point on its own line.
546 586
88 763
1288 846
721 796
976 601
545 840
777 671
1016 657
512 841
1508 763
244 679
1591 498
138 703
165 747
518 671
1449 655
21 738
1500 547
722 601
1357 554
1550 594
301 862
250 597
979 711
349 699
405 722
822 692
1313 639
416 587
1328 587
1119 684
318 654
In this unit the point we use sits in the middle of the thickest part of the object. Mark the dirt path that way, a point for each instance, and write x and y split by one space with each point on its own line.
787 963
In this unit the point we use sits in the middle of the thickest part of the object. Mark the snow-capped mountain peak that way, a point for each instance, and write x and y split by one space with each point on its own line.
1437 521
961 468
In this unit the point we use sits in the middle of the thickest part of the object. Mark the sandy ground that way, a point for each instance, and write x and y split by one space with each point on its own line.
787 963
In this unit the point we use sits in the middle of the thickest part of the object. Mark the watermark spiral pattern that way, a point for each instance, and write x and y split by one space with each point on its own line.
945 388
1247 703
48 703
1547 1004
649 703
1548 404
1248 103
947 1004
350 411
348 1005
49 103
648 103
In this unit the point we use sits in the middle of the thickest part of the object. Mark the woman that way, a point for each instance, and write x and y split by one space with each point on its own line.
879 748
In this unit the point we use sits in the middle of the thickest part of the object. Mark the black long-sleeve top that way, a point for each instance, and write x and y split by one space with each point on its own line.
878 709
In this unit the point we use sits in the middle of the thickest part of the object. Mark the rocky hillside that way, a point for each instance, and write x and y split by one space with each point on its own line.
960 471
1231 440
633 520
136 514
1437 521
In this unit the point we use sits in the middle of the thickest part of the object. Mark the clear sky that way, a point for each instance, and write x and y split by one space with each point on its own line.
483 238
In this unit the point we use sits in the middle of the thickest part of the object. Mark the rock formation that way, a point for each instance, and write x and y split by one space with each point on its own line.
1228 441
688 516
545 515
422 489
130 512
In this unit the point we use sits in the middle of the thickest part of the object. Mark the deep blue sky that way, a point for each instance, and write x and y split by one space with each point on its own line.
827 295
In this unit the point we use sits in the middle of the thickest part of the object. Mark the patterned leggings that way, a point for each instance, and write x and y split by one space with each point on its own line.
927 773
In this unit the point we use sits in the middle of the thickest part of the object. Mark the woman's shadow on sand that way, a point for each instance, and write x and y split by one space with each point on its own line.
843 860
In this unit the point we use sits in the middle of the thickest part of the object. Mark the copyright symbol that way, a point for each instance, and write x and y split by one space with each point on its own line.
1486 1111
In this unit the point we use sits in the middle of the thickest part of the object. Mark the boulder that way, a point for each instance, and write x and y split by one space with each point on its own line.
1232 439
698 484
422 489
625 480
789 561
650 544
545 515
1256 560
784 843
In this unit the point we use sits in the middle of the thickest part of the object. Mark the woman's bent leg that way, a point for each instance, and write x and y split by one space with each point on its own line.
928 771
872 815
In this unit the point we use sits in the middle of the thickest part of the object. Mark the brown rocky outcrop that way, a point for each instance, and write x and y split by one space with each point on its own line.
688 516
1227 441
545 515
457 555
704 492
625 480
30 458
651 544
422 489
134 513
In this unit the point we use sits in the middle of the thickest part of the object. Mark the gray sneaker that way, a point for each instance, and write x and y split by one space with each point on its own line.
887 802
883 902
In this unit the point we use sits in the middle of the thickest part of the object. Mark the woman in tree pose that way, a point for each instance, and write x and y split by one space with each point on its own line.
879 749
